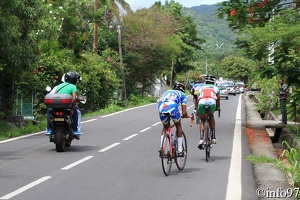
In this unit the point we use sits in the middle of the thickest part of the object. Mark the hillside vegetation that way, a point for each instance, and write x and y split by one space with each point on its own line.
217 34
215 31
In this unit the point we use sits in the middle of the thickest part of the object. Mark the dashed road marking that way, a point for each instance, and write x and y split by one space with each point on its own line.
109 147
26 187
128 138
156 124
77 163
145 129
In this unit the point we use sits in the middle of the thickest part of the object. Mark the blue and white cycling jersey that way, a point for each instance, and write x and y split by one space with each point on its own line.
197 86
173 95
169 103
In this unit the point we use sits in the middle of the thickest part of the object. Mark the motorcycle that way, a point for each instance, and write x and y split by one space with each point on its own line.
61 121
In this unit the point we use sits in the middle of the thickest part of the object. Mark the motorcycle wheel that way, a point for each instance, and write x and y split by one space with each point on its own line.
60 142
68 143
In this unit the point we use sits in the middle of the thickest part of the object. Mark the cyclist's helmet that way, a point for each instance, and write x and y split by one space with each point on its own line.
72 77
178 86
209 79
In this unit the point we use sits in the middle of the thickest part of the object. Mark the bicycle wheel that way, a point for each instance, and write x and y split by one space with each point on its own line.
166 157
197 119
181 161
207 143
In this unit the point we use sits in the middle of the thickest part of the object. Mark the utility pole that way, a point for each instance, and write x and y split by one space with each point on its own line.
172 68
206 67
96 5
121 64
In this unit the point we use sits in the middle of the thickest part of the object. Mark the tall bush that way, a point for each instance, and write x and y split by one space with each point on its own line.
268 98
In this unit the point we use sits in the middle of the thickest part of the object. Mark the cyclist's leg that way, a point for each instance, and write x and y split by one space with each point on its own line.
202 115
212 124
195 103
163 118
176 117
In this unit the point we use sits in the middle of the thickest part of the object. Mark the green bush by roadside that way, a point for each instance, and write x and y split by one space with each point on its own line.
10 130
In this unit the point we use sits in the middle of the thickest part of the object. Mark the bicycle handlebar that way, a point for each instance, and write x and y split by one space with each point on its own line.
219 112
191 117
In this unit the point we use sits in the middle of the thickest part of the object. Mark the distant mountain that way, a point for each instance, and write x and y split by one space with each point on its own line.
215 31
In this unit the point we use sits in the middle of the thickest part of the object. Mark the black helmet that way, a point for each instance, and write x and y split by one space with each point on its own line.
72 77
178 86
209 79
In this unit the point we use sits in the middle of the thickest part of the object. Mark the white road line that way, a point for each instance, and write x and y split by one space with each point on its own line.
234 187
190 106
109 147
145 129
76 163
128 138
20 137
29 135
26 187
126 110
156 124
88 121
37 133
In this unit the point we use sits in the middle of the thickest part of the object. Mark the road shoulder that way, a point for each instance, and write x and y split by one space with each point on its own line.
272 182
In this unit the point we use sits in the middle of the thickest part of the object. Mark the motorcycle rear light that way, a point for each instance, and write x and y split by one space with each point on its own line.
59 113
49 101
66 100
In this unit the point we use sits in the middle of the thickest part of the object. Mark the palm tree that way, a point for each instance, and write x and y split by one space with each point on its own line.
113 11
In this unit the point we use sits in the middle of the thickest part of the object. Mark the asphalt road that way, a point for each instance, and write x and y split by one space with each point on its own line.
117 158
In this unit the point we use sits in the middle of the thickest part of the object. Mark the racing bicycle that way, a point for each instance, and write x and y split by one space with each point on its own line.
207 136
169 149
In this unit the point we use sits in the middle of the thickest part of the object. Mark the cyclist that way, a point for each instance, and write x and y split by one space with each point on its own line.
208 94
198 84
169 104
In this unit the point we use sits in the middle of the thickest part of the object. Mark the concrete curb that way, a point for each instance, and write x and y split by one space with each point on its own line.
271 180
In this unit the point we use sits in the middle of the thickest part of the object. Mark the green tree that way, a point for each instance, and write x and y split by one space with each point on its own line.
237 68
18 52
281 35
251 14
188 34
150 45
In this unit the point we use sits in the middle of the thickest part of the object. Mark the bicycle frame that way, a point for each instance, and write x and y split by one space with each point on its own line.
169 130
207 134
172 137
169 151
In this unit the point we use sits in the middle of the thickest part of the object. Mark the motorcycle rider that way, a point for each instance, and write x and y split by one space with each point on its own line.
68 86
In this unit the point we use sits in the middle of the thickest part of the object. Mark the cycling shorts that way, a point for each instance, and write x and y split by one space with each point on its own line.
171 108
206 101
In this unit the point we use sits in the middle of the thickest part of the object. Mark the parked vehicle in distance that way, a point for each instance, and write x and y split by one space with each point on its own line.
254 88
237 89
230 85
241 86
223 91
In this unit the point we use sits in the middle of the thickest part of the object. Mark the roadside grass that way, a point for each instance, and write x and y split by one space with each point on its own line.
292 167
276 111
290 117
10 130
115 108
261 159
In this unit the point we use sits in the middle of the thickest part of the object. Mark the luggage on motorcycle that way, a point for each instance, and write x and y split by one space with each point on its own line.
58 100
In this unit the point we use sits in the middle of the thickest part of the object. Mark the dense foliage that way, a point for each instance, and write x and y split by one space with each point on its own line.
41 40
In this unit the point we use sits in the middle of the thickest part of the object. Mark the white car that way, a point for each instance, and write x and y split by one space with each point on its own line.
241 86
223 91
230 87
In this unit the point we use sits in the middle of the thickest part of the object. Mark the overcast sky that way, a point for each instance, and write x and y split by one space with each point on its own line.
136 4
